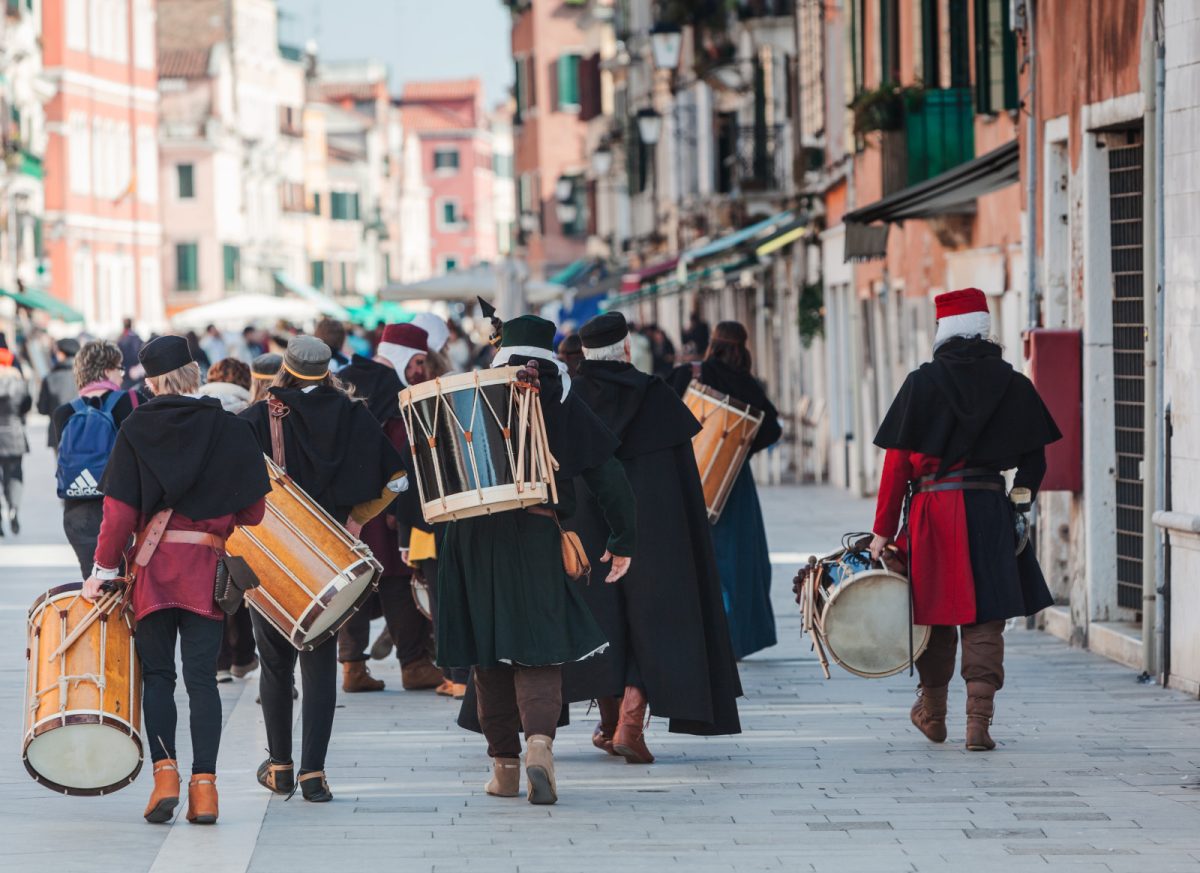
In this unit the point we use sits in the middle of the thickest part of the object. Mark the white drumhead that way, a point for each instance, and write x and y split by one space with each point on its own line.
349 591
84 756
865 624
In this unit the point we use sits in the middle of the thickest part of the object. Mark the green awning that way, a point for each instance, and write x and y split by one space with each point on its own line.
31 165
375 312
326 304
35 299
572 273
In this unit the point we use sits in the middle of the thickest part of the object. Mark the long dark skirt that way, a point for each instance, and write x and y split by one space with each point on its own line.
744 562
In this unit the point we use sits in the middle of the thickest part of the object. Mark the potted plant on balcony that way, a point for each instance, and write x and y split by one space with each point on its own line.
883 108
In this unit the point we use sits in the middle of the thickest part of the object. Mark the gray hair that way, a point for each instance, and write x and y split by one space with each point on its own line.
618 351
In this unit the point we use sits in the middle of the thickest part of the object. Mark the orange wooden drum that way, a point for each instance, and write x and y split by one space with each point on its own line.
314 575
723 445
83 714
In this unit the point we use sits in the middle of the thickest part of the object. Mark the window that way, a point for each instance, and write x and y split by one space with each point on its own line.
291 197
316 275
960 47
889 41
316 203
187 267
151 278
524 88
995 58
79 146
449 263
445 161
76 21
232 257
343 205
186 174
568 83
143 34
147 164
502 165
448 215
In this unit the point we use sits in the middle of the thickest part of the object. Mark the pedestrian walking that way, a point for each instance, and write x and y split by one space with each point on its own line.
58 386
130 345
957 423
15 404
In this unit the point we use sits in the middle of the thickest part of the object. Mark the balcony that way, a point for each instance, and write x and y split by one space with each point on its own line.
753 158
940 132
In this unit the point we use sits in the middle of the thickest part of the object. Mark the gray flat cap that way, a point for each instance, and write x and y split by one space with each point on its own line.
307 358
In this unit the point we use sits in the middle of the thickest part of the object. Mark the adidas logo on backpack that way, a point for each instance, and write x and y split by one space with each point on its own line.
84 485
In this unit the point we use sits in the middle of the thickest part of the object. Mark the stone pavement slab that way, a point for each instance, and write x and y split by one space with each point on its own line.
1094 772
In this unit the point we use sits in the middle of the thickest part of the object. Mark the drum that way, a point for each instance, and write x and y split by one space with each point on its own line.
723 444
859 614
83 713
421 596
313 574
478 445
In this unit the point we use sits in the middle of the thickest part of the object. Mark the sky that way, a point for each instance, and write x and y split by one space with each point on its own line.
417 39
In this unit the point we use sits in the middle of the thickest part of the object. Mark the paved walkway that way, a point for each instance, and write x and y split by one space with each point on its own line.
1094 772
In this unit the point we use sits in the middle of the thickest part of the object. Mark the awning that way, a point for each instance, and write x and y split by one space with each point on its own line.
573 272
327 305
950 193
375 312
732 240
235 311
631 282
35 299
785 236
465 285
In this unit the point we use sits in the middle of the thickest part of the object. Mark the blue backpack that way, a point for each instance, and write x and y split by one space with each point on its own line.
87 440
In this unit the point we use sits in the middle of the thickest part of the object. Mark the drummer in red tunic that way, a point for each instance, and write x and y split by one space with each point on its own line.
957 423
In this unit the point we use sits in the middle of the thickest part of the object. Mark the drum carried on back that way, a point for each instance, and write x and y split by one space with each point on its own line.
722 446
313 574
859 613
478 444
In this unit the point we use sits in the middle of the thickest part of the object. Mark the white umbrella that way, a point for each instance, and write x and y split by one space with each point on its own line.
240 310
485 282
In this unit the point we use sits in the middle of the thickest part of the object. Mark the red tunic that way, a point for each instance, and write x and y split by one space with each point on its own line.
179 575
939 557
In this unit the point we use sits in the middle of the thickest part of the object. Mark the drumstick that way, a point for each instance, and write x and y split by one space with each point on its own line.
100 607
519 475
551 463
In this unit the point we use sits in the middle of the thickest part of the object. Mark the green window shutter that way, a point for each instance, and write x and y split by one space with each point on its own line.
889 35
930 35
1012 99
186 267
518 90
960 47
232 257
316 207
39 248
317 275
568 82
187 181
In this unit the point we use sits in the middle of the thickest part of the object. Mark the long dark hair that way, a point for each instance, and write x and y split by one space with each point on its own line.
728 345
284 379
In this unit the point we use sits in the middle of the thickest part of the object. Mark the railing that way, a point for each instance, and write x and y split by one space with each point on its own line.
760 161
940 132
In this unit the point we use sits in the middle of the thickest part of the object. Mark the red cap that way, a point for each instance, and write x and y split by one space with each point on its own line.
960 302
408 335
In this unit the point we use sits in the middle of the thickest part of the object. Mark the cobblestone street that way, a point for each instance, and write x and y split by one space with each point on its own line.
1094 772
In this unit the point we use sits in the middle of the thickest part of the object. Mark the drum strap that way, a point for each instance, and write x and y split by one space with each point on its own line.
276 410
151 536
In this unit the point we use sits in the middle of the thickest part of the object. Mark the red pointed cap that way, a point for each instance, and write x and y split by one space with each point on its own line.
408 335
960 302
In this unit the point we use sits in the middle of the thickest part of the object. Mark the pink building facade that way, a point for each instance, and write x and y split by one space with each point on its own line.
103 233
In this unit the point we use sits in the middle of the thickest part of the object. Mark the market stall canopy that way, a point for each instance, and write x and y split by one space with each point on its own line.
466 285
632 281
239 310
730 241
44 301
327 305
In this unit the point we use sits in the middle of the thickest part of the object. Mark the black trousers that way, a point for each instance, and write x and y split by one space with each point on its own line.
199 638
81 524
12 480
318 677
237 644
410 631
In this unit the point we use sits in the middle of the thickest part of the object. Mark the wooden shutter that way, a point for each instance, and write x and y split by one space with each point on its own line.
589 88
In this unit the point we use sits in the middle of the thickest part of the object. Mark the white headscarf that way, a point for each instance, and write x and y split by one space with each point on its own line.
519 356
398 356
969 324
435 327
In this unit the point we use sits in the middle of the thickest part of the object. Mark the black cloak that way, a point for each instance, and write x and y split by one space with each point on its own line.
665 621
188 454
740 386
334 448
376 384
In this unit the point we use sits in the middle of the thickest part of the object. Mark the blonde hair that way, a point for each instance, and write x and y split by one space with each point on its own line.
184 380
94 360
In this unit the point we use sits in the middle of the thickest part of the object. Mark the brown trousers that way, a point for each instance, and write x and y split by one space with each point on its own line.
982 655
512 698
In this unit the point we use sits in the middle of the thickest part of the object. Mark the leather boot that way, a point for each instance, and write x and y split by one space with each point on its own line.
420 675
165 796
610 714
929 713
202 799
539 769
629 739
506 778
356 677
980 706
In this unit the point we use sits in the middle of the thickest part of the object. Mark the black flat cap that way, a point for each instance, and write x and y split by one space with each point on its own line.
604 330
164 354
307 357
68 347
266 366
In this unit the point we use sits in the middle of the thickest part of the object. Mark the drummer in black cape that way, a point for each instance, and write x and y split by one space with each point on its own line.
186 456
505 603
957 422
739 536
335 450
669 646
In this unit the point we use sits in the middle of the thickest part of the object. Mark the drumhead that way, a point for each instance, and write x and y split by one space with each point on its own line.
339 598
865 624
420 592
84 757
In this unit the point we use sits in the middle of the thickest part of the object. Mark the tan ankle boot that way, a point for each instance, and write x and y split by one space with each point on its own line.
629 739
420 675
539 769
165 796
610 714
929 713
356 677
202 799
980 708
506 778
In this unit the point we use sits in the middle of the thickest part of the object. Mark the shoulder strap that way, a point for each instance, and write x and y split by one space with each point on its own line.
111 401
134 399
151 536
79 405
276 410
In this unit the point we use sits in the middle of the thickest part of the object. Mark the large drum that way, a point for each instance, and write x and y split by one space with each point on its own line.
859 614
721 448
313 574
479 444
83 713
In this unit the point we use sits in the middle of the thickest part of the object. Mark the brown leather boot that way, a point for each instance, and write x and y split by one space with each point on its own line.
610 714
539 769
506 778
929 713
420 675
356 677
202 799
165 796
980 707
629 739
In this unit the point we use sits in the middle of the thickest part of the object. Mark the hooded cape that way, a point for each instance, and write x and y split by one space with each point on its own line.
334 448
968 403
188 454
376 384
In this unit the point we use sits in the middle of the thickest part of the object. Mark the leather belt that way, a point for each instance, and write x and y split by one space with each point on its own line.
541 510
933 482
960 486
195 538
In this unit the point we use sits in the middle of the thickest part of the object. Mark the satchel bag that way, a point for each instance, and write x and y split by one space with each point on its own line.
234 578
575 560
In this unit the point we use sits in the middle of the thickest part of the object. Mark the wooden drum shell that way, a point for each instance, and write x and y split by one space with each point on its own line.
722 446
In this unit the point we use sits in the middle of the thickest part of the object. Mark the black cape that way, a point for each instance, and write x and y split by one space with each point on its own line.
334 448
968 403
376 384
665 621
740 386
188 454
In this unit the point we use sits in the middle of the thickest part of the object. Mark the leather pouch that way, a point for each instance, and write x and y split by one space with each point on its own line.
234 578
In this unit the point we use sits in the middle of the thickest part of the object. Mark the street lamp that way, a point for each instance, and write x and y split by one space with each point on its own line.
649 126
602 161
667 42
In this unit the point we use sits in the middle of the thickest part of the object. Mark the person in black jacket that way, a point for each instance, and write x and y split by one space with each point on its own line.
58 386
